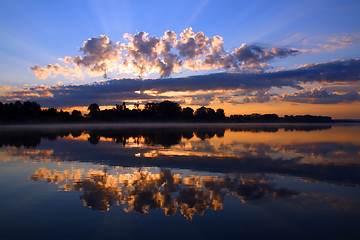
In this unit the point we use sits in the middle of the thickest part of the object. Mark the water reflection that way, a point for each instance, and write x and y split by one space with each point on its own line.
277 179
164 136
316 152
143 190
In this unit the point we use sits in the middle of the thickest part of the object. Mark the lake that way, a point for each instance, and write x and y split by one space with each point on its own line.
180 181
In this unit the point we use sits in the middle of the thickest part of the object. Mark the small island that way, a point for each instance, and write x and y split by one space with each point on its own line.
31 113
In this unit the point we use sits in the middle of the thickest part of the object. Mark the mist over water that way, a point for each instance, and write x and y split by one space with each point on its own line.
198 180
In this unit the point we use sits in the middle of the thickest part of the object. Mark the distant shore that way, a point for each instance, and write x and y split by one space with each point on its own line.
151 113
160 125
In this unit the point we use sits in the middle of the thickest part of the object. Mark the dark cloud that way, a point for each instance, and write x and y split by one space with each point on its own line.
258 97
320 96
202 99
108 92
252 54
335 71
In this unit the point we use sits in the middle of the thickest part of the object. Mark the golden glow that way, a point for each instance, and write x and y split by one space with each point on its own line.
25 155
336 111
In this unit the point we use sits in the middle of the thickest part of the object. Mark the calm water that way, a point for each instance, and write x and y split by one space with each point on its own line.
180 182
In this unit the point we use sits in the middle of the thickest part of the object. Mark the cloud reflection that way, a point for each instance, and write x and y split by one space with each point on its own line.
142 190
315 152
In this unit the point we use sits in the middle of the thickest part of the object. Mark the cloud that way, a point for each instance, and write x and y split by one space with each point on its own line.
247 97
329 72
258 97
56 69
323 43
201 99
151 54
99 54
338 42
252 87
251 55
26 93
192 45
141 55
320 96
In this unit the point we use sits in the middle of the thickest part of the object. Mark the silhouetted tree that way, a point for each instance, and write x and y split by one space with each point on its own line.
151 110
121 107
164 111
220 114
169 110
76 115
50 112
269 118
188 114
121 112
31 107
93 109
205 114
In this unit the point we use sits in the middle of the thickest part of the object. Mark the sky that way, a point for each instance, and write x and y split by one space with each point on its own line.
283 57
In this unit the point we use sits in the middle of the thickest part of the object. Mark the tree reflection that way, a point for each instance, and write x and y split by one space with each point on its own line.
144 191
166 137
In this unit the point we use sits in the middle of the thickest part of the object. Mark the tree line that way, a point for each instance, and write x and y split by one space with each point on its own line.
166 111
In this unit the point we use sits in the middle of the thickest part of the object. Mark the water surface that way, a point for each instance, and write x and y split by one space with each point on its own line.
180 181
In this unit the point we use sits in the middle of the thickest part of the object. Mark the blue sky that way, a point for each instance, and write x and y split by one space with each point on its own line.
40 32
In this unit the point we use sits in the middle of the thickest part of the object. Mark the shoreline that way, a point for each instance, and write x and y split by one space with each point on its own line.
160 125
